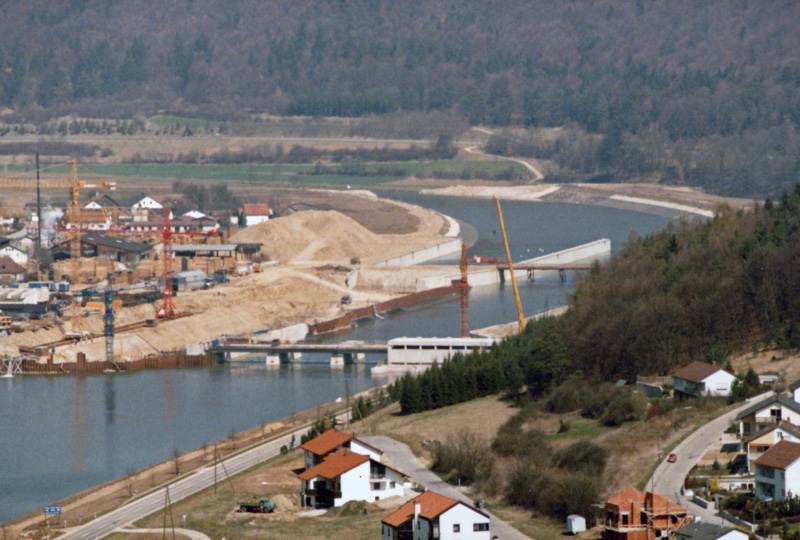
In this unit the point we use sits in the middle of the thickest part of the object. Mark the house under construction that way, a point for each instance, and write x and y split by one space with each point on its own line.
633 515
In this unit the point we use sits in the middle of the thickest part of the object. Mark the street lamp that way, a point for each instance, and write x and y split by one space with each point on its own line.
763 521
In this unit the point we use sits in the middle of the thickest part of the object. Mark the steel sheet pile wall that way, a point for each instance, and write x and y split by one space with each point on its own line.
162 361
396 303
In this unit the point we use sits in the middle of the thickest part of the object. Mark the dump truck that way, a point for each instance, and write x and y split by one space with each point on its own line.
261 506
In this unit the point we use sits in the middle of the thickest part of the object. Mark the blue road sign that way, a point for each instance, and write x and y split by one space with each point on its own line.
50 510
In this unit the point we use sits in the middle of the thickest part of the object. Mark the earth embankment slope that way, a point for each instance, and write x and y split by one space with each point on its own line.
326 236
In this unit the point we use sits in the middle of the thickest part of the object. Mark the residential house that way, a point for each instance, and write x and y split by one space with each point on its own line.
101 201
253 214
179 225
95 220
701 530
794 388
345 476
702 379
431 515
13 251
10 270
318 448
141 206
767 412
777 471
633 515
142 201
761 441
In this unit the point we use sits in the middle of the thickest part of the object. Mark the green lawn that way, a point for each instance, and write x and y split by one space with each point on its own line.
296 174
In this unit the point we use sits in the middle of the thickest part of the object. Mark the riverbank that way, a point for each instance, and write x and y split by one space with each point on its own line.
641 197
84 506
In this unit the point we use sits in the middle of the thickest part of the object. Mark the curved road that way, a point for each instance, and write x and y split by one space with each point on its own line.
668 478
189 485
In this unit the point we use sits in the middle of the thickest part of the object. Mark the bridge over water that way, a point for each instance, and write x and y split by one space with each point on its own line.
346 352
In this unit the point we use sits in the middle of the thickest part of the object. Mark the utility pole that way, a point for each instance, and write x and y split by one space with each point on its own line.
38 208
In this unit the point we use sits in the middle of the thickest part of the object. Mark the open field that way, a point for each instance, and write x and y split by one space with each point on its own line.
375 173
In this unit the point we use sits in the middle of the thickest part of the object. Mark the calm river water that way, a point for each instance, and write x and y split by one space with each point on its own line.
60 435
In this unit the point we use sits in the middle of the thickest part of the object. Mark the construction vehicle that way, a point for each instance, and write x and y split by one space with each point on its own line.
261 506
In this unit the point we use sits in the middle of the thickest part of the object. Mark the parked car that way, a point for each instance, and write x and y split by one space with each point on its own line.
672 458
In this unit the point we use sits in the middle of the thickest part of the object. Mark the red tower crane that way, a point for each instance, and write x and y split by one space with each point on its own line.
167 309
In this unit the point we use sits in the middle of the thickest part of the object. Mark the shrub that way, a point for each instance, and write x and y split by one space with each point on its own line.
464 457
528 482
582 456
572 494
567 397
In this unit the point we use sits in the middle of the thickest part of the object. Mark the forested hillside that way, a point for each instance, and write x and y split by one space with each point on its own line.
697 291
714 85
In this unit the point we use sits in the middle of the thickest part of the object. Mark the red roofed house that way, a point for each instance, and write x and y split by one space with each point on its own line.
778 471
332 440
10 271
431 515
702 379
633 515
345 476
252 214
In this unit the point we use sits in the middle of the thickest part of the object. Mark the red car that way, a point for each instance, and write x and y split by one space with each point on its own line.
672 458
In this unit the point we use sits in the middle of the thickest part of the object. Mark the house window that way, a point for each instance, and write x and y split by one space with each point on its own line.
767 472
376 486
480 527
775 414
456 527
392 484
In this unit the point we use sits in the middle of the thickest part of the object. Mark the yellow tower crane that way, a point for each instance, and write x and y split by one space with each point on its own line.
73 223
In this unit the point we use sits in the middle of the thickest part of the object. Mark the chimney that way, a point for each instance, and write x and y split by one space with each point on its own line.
417 509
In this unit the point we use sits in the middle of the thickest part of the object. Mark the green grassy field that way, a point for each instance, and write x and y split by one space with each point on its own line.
299 174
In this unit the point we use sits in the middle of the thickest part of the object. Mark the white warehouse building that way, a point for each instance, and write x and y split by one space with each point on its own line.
406 353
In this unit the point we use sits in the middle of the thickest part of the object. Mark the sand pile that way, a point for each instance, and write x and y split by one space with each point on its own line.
288 504
318 236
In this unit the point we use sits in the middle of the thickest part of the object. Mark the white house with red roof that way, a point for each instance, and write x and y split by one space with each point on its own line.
431 515
332 440
254 213
345 476
702 379
777 471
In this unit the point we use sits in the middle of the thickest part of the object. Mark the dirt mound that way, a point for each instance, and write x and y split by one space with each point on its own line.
313 235
287 503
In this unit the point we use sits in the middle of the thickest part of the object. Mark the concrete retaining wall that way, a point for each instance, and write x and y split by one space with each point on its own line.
290 333
492 276
424 255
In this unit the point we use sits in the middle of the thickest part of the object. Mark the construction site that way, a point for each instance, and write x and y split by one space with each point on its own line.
126 293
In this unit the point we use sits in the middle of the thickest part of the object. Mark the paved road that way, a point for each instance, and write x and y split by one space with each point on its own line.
194 535
189 485
400 456
668 477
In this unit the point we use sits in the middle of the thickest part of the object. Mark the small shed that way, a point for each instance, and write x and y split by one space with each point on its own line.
189 280
576 524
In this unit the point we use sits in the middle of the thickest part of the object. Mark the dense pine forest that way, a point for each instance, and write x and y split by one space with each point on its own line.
706 93
690 292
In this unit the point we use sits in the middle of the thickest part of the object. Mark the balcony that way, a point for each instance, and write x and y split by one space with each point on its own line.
323 493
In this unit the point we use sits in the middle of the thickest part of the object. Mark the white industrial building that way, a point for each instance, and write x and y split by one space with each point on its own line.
406 353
